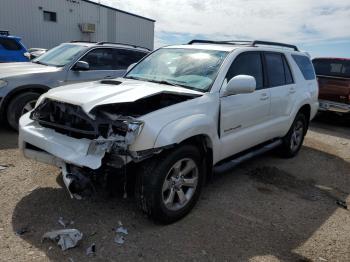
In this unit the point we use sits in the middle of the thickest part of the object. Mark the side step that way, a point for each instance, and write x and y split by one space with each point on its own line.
229 164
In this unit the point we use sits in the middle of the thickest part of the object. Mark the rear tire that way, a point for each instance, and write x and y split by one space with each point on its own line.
20 105
294 139
168 186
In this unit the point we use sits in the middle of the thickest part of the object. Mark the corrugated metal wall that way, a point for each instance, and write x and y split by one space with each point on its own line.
24 18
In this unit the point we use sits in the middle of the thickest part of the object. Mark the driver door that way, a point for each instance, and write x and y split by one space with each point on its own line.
243 116
103 65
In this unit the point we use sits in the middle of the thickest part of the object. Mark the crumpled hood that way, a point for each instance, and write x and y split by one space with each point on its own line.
16 69
91 94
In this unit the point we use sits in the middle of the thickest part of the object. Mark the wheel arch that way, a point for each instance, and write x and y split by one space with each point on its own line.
40 89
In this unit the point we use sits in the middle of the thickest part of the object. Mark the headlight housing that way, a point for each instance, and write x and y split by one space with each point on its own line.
3 83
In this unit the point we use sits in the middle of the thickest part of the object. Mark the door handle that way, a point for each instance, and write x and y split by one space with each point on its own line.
292 90
108 77
264 96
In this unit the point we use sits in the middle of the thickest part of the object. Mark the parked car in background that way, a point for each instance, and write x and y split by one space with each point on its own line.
36 52
22 83
174 116
333 76
12 49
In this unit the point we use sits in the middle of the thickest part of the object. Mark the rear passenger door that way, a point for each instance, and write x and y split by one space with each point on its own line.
282 89
243 116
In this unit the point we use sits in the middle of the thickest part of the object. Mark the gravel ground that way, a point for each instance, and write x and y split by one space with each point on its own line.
266 209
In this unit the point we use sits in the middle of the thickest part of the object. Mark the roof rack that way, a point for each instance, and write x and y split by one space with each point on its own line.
113 43
81 41
243 42
4 32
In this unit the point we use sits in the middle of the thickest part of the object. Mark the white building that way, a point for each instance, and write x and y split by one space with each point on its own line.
47 23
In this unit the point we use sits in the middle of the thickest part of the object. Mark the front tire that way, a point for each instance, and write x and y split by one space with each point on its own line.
168 186
294 139
20 105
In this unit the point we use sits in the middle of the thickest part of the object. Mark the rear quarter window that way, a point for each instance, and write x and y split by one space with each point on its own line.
305 66
10 44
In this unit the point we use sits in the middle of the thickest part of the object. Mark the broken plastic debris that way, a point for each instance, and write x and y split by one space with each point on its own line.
64 223
342 204
3 167
91 250
122 230
67 238
119 239
22 231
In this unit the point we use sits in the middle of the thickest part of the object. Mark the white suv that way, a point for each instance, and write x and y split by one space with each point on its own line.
175 115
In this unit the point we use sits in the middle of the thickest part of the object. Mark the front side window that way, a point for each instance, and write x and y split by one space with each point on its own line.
190 68
305 66
332 67
247 64
9 44
61 55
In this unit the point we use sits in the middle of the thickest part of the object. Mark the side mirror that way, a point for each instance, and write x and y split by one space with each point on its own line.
81 66
241 84
130 67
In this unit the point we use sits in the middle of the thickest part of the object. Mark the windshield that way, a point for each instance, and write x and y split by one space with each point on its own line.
60 55
191 68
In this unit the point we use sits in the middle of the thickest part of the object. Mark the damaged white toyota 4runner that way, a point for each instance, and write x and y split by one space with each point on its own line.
174 116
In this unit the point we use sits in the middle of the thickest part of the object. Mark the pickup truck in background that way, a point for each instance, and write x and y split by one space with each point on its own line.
333 76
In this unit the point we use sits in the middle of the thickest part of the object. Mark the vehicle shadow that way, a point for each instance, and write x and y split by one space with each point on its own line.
8 137
331 124
264 207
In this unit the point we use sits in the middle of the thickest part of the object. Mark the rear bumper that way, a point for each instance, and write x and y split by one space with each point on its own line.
326 105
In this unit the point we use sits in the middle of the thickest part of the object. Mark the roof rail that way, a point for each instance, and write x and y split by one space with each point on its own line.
113 43
229 42
258 42
4 32
243 42
81 41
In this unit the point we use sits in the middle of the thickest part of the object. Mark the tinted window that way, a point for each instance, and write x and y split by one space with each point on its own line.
275 69
288 73
332 67
10 44
305 66
100 59
124 58
247 64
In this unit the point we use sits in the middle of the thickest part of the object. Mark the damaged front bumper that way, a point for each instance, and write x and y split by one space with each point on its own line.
47 146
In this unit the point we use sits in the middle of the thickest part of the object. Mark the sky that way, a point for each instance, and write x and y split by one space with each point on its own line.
319 27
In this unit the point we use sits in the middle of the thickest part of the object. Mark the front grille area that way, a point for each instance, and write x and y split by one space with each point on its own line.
65 118
71 120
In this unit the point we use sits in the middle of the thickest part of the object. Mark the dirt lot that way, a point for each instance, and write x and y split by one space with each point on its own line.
267 209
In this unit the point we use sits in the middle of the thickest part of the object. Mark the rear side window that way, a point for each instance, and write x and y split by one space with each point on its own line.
287 71
10 44
332 67
124 58
305 66
100 59
247 64
275 69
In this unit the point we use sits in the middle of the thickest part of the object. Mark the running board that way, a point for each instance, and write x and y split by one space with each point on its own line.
229 164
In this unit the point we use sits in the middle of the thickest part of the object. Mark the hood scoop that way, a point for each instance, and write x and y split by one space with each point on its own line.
110 82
